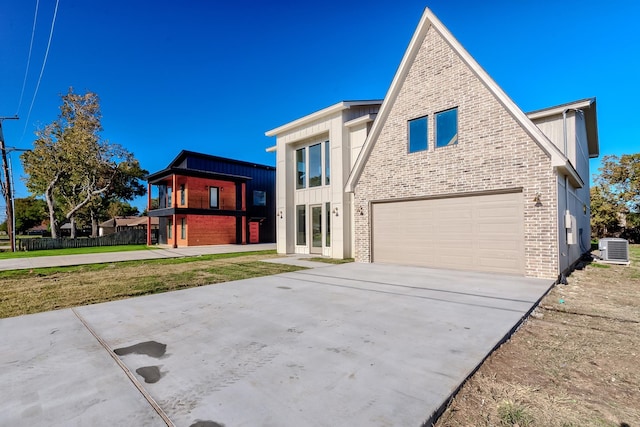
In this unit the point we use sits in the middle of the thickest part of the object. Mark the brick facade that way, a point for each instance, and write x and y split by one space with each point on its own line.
493 153
197 192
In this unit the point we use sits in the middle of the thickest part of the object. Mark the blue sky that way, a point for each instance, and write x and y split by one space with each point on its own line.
213 76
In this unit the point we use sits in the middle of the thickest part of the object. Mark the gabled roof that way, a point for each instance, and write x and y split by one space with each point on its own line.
340 106
588 107
128 221
428 21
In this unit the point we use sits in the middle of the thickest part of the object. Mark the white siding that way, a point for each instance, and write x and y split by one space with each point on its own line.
331 128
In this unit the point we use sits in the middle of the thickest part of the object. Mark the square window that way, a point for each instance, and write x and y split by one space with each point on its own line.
213 197
418 134
447 128
259 198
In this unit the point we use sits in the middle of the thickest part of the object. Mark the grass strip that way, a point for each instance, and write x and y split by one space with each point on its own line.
38 290
76 251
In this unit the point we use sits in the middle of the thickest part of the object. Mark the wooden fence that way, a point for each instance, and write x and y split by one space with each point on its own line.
127 237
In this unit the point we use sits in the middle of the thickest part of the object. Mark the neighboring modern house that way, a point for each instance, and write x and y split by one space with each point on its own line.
122 223
209 200
452 173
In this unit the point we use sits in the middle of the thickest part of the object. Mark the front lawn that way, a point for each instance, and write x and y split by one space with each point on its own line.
44 289
75 251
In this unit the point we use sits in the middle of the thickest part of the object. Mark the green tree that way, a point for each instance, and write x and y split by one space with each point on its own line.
622 175
29 212
605 211
72 166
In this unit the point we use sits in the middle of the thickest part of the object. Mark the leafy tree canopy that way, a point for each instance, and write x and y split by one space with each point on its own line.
72 166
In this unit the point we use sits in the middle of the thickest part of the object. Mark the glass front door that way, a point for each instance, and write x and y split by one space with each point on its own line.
316 229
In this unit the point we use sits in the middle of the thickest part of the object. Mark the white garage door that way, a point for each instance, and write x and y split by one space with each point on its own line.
481 233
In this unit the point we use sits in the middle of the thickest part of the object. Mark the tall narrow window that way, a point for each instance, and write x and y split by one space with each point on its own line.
301 168
327 162
169 191
183 228
315 165
447 128
170 228
182 195
418 134
327 242
213 197
301 225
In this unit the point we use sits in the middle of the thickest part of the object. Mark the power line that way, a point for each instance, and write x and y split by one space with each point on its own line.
26 71
44 62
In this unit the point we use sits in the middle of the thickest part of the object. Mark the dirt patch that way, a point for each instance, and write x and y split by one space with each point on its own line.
575 362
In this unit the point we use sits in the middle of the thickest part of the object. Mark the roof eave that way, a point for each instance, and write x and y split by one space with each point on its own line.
335 108
588 107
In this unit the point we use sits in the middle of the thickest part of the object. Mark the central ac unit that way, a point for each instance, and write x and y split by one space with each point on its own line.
614 250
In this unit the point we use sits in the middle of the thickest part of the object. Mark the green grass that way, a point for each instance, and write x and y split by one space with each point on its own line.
44 289
76 251
330 260
512 414
50 271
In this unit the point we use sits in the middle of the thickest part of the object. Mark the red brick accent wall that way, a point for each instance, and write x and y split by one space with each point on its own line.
210 230
197 190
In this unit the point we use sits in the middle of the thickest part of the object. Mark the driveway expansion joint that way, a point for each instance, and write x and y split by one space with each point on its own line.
127 372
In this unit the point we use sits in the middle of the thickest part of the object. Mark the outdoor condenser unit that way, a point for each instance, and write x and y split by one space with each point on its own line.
614 250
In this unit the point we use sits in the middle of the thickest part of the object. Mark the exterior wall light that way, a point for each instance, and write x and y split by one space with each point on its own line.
335 211
537 199
280 214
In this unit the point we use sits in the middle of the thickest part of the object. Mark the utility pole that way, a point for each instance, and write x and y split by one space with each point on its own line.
6 185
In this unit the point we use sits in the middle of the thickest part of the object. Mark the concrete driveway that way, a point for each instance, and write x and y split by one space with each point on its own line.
346 345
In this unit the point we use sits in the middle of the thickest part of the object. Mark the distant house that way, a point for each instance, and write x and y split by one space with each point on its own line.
445 172
121 223
210 200
38 230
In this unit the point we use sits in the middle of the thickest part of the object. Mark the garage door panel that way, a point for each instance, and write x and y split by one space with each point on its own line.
484 233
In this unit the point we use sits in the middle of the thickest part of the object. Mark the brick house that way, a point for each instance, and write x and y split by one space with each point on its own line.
452 174
207 200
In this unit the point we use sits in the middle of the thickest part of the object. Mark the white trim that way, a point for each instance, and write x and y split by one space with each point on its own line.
559 109
367 118
427 21
271 149
340 106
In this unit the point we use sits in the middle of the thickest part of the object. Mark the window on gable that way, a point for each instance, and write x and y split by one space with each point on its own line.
315 165
213 197
301 168
447 128
418 134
